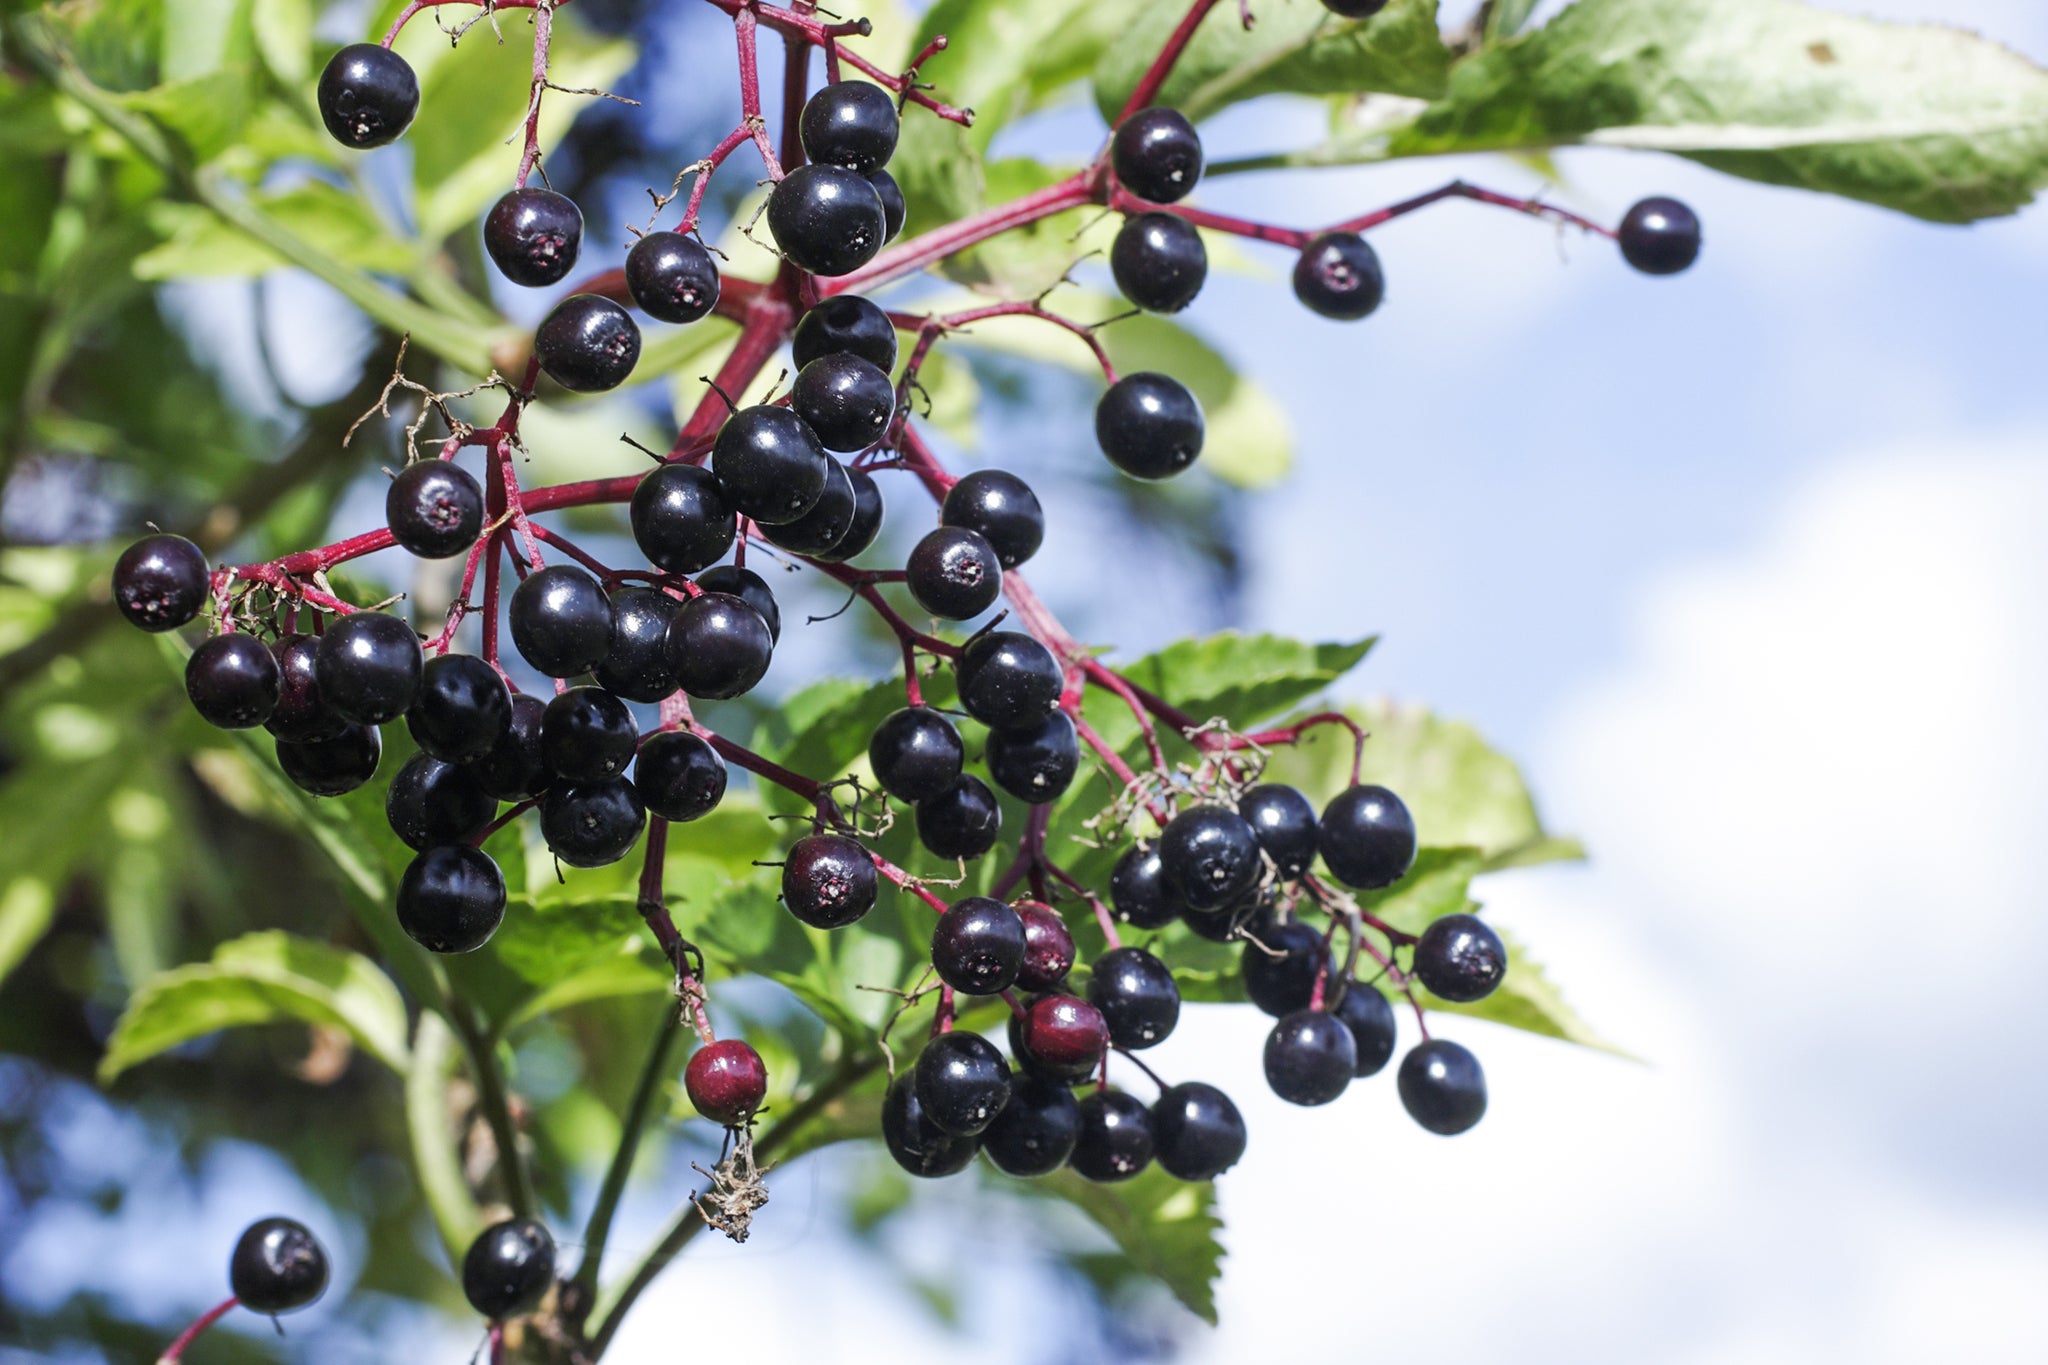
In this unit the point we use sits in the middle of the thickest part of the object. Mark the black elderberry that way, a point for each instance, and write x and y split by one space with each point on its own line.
1660 236
962 1082
1035 764
826 219
300 715
978 946
1250 914
894 210
1059 1037
1284 823
1442 1087
1149 425
1310 1058
588 344
1007 680
587 735
1197 1132
718 646
1211 856
451 899
1159 262
1355 9
681 520
591 824
1157 154
672 277
533 236
1136 994
636 667
828 880
679 776
769 464
851 124
1138 890
369 666
962 821
750 588
233 681
561 621
160 582
1367 837
511 769
1115 1141
1001 509
828 521
1036 1131
918 1144
1460 959
866 523
509 1268
1281 965
430 803
953 573
1338 275
915 753
277 1266
845 400
1048 947
848 323
463 708
1370 1018
332 767
367 96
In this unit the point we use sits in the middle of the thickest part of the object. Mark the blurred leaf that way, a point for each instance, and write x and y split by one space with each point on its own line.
205 113
329 218
1507 18
1164 1227
284 35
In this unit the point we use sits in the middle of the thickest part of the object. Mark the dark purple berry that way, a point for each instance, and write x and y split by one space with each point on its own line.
1310 1058
679 776
1008 680
1001 509
919 1145
960 822
1370 1018
849 323
561 621
866 523
534 236
1137 997
978 946
681 520
1035 764
430 803
826 219
718 646
1338 275
511 769
1115 1142
672 277
591 824
636 667
1036 1131
769 464
1281 965
1197 1132
1149 426
954 574
332 767
233 681
587 735
588 344
915 753
160 582
1442 1087
1250 914
1048 947
750 588
1354 9
367 96
828 521
962 1082
1660 237
451 899
1211 856
851 124
300 715
1284 823
1367 837
1159 262
828 880
277 1266
509 1268
1460 959
369 667
845 400
726 1081
1138 890
1157 155
463 708
894 210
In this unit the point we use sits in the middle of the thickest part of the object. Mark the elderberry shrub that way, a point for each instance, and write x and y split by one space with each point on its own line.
672 277
1048 947
430 803
511 769
1310 1057
369 667
919 1145
1281 966
1060 1037
367 96
533 236
1138 889
750 588
587 735
300 716
233 681
1007 680
278 1266
894 209
332 767
1367 837
1159 262
1355 9
718 647
1370 1018
1157 154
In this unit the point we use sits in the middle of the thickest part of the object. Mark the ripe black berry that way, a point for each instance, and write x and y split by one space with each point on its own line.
277 1266
828 880
1157 154
962 1082
919 1145
233 681
1060 1037
511 769
846 400
587 735
1196 1131
718 646
1211 856
978 946
916 753
591 824
368 96
769 464
1149 425
826 219
1281 966
1660 236
1036 1131
1310 1058
1249 914
1442 1087
1284 823
672 277
828 521
681 520
1370 1018
1159 262
1115 1142
851 124
962 821
534 235
300 715
1138 890
679 776
1035 764
160 582
509 1268
431 802
451 899
1355 9
1137 997
953 574
561 621
1002 509
1367 838
588 344
866 523
332 767
369 667
845 322
750 588
1007 680
726 1081
894 210
1460 958
636 667
1338 275
463 708
1048 947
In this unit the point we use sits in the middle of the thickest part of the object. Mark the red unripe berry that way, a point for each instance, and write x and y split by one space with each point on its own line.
726 1081
1066 1034
1048 947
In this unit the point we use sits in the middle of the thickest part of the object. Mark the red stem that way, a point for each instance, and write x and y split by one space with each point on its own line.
1162 66
205 1320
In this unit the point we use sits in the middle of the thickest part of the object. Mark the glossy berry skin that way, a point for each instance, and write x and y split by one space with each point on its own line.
509 1268
953 574
1367 837
679 776
1137 997
511 769
718 646
160 582
1338 276
233 681
369 667
451 899
894 210
845 322
1442 1087
368 96
1211 856
1138 891
1660 236
587 735
847 401
1370 1017
533 236
1037 764
915 753
1354 9
681 520
561 621
332 767
1149 425
1157 155
866 523
430 803
1008 680
962 821
636 667
750 588
300 715
826 219
851 124
1036 1131
919 1145
828 522
1060 1037
463 708
1115 1142
591 824
726 1081
1284 823
1280 976
277 1266
1197 1133
828 880
1048 947
1159 262
1000 508
1251 914
769 464
1460 959
588 344
978 946
1310 1058
962 1082
672 277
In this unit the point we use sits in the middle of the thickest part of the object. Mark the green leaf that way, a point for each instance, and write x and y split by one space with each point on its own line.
260 979
328 218
1163 1227
284 35
1246 678
205 113
1507 18
1529 1000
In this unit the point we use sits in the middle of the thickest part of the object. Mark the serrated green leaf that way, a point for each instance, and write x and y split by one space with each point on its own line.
329 218
1244 678
1163 1227
1529 1000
